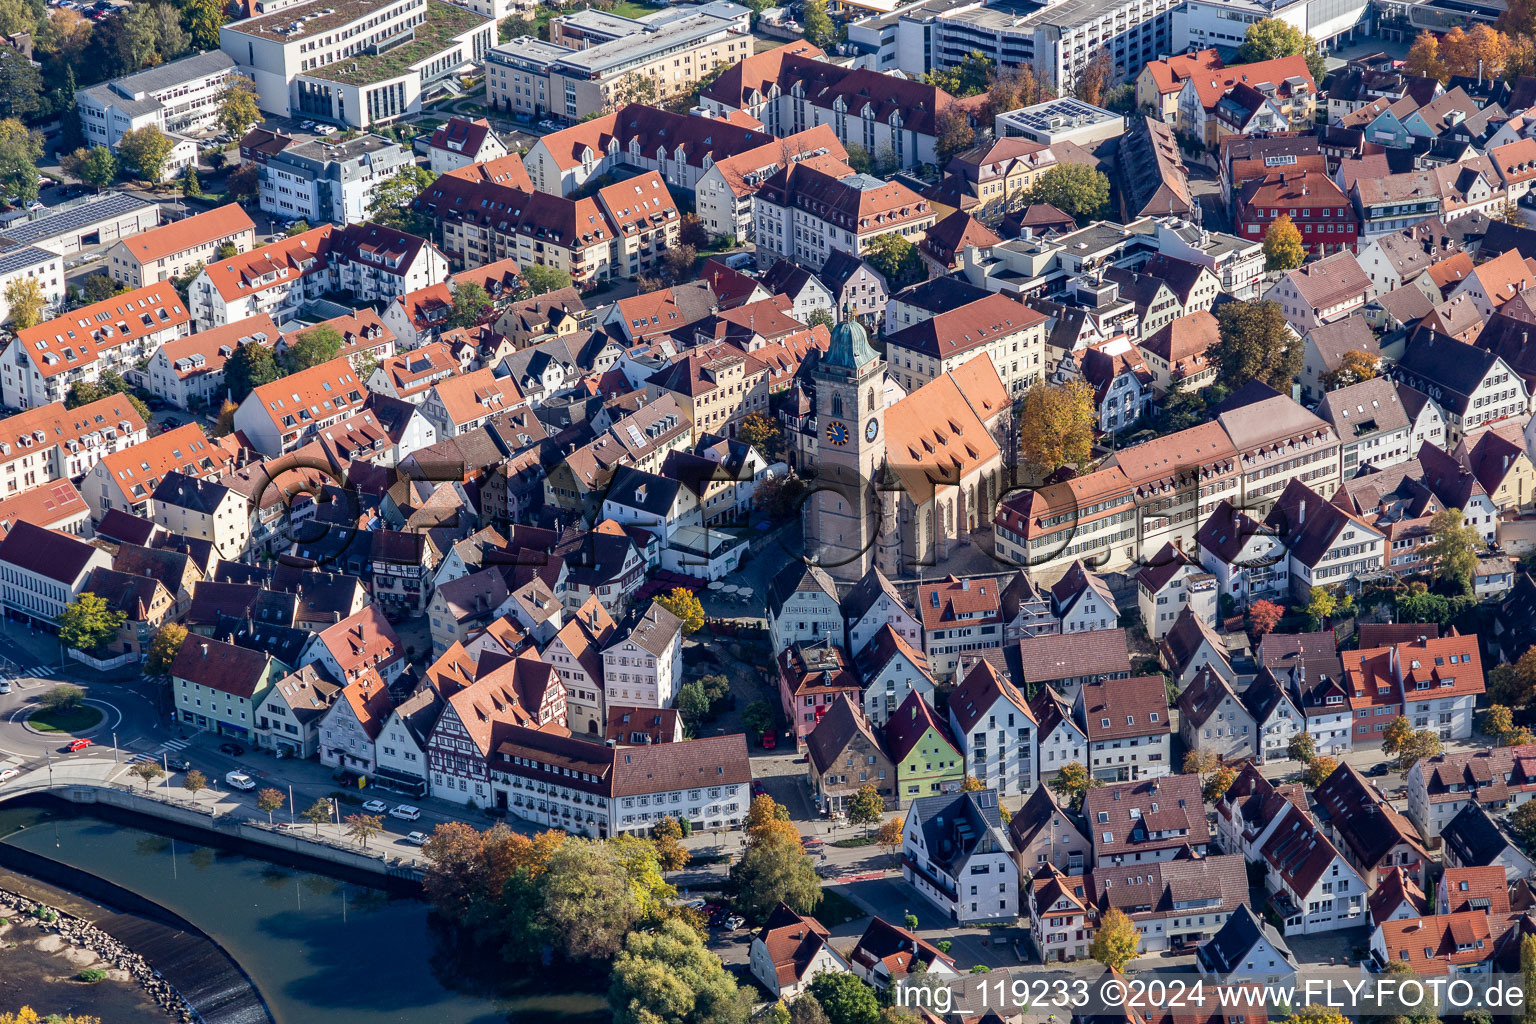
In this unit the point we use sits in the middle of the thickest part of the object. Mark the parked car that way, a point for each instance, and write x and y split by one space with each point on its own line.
326 129
5 686
232 749
735 921
416 838
239 780
79 744
375 806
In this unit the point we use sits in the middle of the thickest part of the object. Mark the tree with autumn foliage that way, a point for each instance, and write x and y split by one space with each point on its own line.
1056 428
1498 722
1354 366
1072 784
1283 249
1318 769
889 835
1263 617
1424 58
765 817
1090 81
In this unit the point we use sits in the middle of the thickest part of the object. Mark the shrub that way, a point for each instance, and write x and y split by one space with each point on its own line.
91 975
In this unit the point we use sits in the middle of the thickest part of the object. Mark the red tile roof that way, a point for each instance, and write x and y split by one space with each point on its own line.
77 339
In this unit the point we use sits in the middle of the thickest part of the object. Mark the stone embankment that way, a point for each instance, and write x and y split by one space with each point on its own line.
96 949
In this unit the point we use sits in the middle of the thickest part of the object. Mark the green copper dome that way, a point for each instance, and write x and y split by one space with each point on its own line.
850 348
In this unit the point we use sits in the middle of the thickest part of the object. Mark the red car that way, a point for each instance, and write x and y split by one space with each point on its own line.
79 745
770 740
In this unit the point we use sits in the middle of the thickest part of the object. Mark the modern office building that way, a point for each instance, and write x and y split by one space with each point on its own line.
608 60
355 62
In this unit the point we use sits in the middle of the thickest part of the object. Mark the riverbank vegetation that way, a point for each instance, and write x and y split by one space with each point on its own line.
602 909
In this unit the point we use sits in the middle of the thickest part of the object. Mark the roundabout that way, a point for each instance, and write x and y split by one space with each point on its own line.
76 720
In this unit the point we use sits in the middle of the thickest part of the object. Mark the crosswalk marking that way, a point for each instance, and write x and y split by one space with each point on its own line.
165 749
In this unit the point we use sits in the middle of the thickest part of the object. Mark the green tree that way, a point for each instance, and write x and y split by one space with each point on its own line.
203 19
1116 941
1453 549
1522 821
758 717
1057 426
845 998
1528 969
866 807
685 604
238 110
99 287
807 1010
24 298
297 228
1301 748
858 158
1255 343
21 85
87 623
971 77
470 302
692 703
897 260
1073 782
1271 38
319 344
20 149
17 16
818 25
666 974
539 279
250 366
775 870
164 648
63 697
148 771
99 167
145 150
589 903
269 800
1076 189
392 201
317 814
190 186
1282 245
821 318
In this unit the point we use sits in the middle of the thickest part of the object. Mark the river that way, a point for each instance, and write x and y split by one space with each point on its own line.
317 948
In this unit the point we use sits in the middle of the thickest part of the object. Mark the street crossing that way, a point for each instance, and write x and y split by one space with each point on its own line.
167 749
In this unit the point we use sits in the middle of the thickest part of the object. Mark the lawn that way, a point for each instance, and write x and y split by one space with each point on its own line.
630 9
74 719
836 909
869 840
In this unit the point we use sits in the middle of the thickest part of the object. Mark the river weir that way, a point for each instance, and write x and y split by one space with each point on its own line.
282 943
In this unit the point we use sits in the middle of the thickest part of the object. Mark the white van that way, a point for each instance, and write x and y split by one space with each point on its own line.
405 812
240 780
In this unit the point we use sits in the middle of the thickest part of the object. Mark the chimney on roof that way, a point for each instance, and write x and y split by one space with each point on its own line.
1301 513
205 650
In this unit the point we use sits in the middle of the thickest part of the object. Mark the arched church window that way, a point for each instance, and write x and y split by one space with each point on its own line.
837 405
871 399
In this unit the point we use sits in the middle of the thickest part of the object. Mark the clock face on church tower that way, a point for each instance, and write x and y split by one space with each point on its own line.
837 433
871 430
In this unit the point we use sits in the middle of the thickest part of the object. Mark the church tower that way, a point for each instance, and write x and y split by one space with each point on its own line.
842 512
